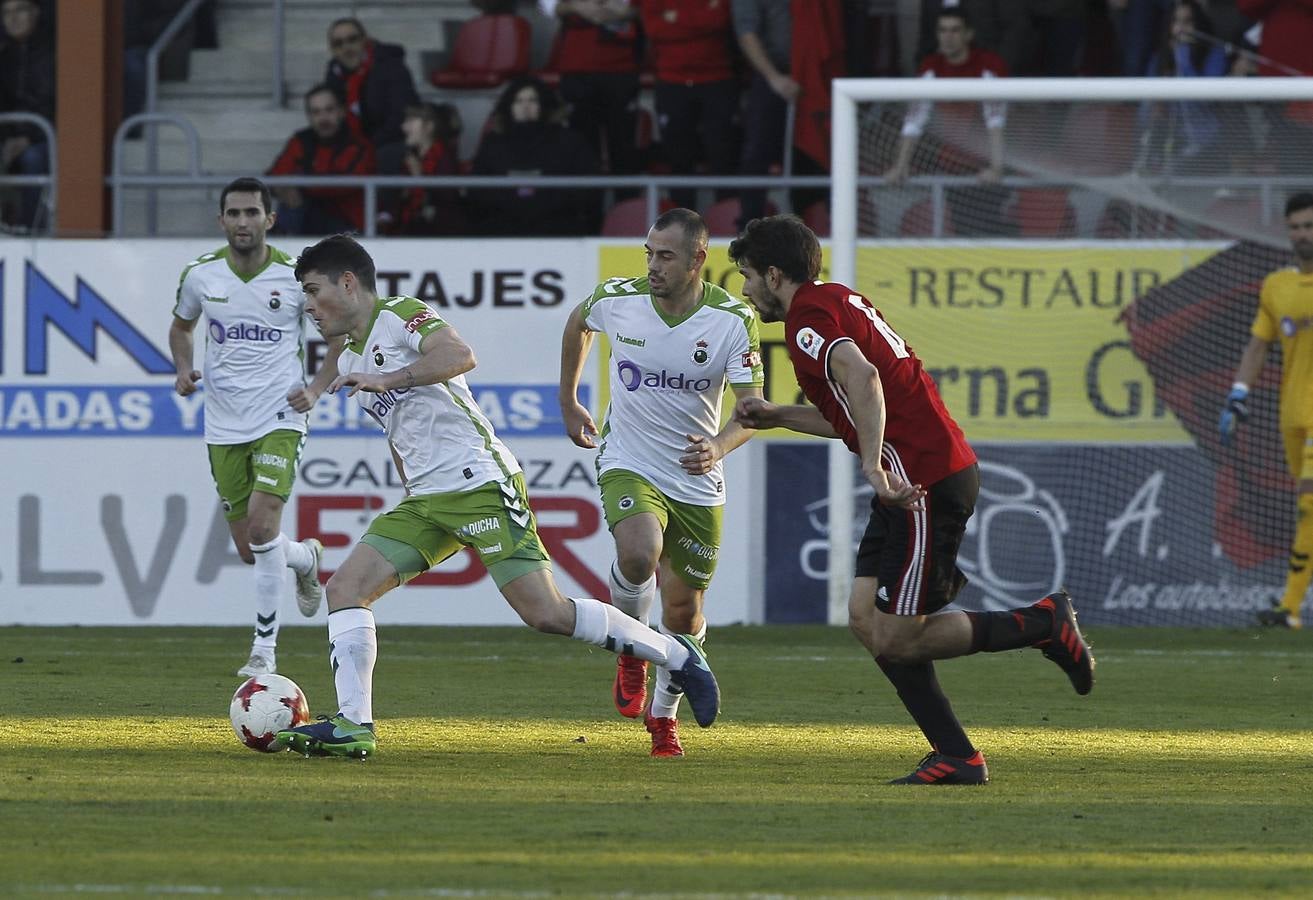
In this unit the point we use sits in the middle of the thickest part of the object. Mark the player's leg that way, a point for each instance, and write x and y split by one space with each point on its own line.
636 513
1299 456
274 459
230 466
692 551
399 545
518 563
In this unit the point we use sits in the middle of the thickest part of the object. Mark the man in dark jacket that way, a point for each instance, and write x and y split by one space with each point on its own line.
327 147
373 79
27 84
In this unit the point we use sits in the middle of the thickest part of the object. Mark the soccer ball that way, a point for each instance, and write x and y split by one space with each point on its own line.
263 706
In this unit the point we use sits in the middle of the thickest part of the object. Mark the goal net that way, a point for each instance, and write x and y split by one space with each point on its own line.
1083 307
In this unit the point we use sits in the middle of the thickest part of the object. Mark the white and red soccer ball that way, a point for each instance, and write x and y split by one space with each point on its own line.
265 705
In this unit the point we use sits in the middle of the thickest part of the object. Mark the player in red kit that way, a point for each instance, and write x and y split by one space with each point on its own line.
870 390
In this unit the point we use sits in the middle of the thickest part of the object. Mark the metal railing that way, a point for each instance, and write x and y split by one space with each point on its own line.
114 181
49 182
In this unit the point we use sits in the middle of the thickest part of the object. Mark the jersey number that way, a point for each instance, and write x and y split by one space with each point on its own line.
897 344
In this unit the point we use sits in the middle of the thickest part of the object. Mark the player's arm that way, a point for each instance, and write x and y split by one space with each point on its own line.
576 341
702 452
860 382
443 356
182 345
1236 409
756 413
755 53
303 397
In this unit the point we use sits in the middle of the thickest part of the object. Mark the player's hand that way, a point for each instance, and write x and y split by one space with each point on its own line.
302 398
700 455
185 383
1234 412
579 425
370 382
894 490
755 412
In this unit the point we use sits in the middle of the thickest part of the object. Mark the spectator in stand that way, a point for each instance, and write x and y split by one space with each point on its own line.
696 94
1042 37
1137 22
373 79
771 43
27 84
432 138
976 210
327 147
597 56
1287 35
1184 137
527 136
143 22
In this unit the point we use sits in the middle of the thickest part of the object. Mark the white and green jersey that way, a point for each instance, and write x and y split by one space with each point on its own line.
668 379
444 440
253 344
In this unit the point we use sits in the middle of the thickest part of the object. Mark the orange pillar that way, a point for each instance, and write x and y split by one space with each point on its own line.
89 103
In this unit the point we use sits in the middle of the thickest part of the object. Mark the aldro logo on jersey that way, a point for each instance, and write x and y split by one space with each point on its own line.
633 378
700 353
248 332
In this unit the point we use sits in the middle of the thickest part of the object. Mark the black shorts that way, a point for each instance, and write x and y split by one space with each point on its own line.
913 553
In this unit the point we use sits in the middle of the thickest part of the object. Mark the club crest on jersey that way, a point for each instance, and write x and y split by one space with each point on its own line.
700 353
378 355
810 342
274 300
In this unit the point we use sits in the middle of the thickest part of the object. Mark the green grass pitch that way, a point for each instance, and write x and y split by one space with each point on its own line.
503 771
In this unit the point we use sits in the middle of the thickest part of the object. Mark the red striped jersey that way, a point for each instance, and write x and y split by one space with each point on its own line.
921 440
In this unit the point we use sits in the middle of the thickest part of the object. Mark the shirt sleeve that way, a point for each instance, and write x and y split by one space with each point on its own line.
818 331
190 298
1265 325
595 312
416 320
744 366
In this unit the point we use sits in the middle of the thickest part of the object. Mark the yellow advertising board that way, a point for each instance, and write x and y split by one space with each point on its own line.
1023 339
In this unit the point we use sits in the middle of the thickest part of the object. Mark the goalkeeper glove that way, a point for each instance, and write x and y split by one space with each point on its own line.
1235 411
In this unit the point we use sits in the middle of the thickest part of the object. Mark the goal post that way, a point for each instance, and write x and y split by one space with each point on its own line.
1173 217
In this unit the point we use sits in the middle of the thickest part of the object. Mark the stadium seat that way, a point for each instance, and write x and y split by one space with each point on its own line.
629 218
817 217
488 51
919 220
722 217
1043 212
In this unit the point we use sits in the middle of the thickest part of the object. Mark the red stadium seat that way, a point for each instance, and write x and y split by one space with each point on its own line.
629 218
722 217
919 220
488 51
1043 212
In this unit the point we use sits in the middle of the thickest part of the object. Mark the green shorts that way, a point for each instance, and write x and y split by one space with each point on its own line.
494 520
691 533
266 464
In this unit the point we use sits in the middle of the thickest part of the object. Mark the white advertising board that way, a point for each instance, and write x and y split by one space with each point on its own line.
108 508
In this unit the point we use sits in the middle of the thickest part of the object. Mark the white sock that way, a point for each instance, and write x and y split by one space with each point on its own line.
634 599
605 626
299 557
665 699
353 648
270 580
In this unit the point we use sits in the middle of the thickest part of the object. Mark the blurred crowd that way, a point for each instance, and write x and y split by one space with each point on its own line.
678 87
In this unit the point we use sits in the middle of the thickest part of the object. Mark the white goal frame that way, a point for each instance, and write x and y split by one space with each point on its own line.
846 93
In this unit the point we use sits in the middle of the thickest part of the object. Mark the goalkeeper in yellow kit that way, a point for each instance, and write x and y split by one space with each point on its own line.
1285 313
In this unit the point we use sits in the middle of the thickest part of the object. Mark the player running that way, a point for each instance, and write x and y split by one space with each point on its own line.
676 341
870 390
256 399
406 367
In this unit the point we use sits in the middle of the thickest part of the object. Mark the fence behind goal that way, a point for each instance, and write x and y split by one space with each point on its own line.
1083 315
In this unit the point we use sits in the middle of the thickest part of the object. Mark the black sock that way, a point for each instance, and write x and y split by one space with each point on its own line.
919 690
1010 629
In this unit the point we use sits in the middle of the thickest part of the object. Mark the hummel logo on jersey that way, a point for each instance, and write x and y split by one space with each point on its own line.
700 354
216 299
633 342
